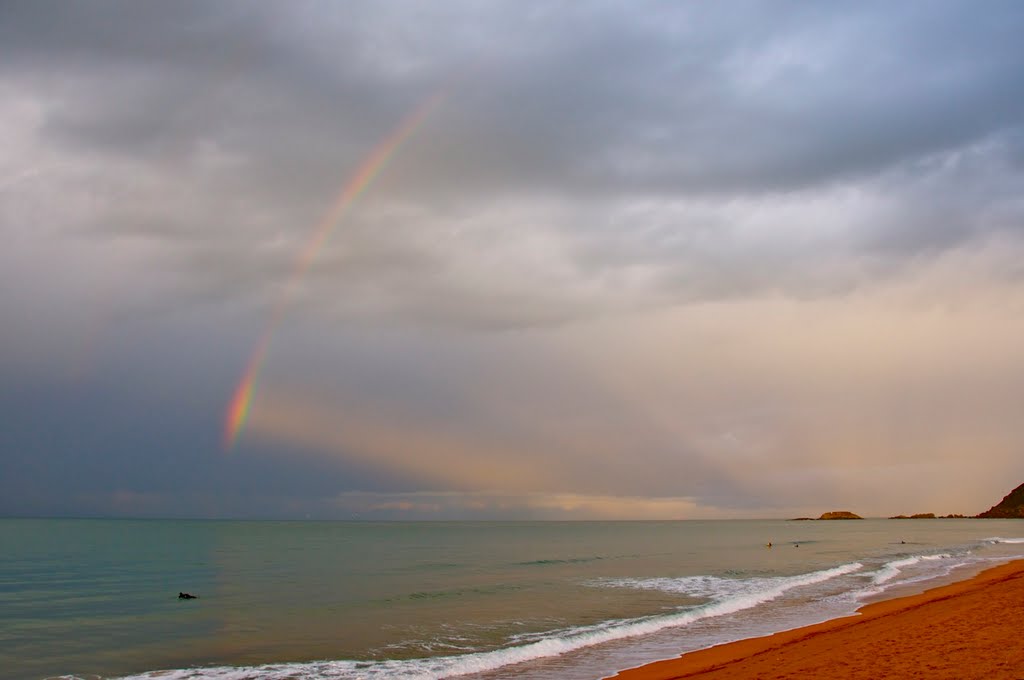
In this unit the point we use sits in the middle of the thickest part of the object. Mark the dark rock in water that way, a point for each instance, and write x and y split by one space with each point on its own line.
801 519
187 596
840 514
1011 507
929 515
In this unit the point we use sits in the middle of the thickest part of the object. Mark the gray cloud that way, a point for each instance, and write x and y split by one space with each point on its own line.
590 165
671 100
245 119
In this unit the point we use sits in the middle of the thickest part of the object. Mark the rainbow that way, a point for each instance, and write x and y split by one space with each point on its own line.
368 170
241 402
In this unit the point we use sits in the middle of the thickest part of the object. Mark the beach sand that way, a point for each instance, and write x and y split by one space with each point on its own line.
968 629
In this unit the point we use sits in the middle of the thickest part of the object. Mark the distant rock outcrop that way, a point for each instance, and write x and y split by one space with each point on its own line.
929 515
1011 507
840 514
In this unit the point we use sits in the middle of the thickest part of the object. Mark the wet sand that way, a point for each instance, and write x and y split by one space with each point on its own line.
968 629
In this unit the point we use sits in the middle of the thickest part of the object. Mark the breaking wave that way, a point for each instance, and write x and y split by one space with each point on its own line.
727 596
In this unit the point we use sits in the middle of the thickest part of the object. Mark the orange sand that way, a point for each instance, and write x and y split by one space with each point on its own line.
969 629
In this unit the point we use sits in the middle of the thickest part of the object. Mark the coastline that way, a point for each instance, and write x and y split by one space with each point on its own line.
965 629
444 599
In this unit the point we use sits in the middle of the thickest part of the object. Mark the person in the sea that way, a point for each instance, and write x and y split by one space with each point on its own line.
187 596
769 544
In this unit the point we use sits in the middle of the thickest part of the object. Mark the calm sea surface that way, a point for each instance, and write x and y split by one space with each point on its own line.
346 600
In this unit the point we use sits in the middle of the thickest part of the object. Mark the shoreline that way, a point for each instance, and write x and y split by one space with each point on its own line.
965 629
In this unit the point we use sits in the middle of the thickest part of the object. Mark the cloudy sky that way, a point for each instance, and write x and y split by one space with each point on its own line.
604 259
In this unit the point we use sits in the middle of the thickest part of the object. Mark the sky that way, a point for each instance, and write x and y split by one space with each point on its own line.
510 260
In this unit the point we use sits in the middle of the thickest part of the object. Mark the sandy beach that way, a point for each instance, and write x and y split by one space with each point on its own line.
968 629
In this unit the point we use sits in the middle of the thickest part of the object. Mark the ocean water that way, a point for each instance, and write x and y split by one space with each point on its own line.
382 600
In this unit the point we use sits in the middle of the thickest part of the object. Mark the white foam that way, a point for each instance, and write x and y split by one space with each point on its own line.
748 593
883 579
891 570
998 539
727 589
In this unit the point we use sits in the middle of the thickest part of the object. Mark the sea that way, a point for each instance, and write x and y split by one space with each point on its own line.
91 598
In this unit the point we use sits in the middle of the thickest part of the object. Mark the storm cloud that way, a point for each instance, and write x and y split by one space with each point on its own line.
632 254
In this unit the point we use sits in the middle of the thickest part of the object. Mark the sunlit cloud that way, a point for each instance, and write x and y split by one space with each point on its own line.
768 406
497 504
427 453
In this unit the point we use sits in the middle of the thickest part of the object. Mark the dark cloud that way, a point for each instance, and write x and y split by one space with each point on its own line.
138 432
247 118
228 131
674 100
165 164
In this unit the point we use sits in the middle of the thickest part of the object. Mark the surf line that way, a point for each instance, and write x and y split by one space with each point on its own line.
369 169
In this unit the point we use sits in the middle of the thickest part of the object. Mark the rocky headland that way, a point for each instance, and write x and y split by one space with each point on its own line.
1011 507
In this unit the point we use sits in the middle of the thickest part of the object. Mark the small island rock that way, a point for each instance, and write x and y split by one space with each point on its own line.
840 514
